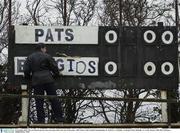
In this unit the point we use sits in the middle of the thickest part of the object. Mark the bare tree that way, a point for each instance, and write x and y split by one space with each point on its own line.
84 11
37 11
102 111
9 112
62 11
73 12
136 12
3 27
3 15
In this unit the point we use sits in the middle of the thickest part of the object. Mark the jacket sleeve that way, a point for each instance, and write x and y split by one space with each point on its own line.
27 69
54 67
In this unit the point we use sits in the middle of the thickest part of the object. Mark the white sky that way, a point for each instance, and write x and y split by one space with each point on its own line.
51 15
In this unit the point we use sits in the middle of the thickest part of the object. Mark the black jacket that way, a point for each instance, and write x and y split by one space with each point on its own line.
41 68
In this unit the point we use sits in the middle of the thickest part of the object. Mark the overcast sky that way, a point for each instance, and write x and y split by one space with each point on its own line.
52 14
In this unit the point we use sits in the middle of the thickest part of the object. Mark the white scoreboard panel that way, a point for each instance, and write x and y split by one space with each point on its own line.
68 66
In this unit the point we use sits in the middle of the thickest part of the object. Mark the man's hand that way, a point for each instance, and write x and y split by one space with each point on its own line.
61 54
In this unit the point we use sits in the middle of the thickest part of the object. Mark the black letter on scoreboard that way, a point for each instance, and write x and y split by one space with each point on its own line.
91 64
70 65
49 35
59 33
69 34
38 33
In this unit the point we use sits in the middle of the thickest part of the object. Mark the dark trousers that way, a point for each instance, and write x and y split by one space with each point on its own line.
55 103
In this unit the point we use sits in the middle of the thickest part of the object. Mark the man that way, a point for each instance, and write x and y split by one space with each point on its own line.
41 69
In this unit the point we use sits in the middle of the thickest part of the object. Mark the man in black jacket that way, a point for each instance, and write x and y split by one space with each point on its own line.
41 68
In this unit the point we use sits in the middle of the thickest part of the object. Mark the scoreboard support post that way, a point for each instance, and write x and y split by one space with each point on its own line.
164 106
24 105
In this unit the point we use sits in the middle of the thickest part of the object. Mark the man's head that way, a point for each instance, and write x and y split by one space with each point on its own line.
41 47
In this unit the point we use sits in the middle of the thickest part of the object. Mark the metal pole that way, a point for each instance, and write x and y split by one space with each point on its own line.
9 22
164 106
25 107
120 36
177 14
65 12
120 12
9 14
177 28
9 43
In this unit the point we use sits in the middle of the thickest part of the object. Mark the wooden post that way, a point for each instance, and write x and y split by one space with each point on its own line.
24 116
164 106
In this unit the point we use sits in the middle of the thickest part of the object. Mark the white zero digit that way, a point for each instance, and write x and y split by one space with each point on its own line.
163 37
153 36
114 36
171 68
153 68
113 71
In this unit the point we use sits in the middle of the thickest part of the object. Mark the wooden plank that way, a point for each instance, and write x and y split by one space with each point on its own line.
156 125
93 98
139 125
13 126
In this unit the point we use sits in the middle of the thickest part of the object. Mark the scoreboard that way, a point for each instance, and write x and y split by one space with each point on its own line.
102 57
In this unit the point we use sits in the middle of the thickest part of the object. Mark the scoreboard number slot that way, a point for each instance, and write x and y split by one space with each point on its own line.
166 37
149 32
110 34
165 40
114 68
167 68
150 68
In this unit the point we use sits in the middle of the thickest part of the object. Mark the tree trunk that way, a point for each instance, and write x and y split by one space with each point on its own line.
130 114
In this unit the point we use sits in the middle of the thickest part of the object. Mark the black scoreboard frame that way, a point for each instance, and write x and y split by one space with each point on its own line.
139 63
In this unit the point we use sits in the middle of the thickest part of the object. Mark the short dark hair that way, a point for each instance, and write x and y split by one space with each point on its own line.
39 46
